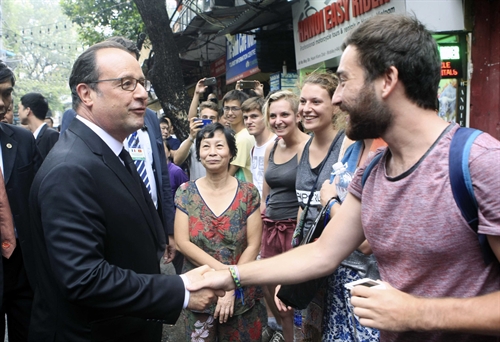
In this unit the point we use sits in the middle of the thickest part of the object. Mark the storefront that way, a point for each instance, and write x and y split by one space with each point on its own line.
320 28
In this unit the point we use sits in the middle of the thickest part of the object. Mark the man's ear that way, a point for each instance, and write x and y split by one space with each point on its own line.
390 80
85 93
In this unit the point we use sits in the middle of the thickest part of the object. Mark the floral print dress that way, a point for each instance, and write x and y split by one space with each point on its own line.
224 237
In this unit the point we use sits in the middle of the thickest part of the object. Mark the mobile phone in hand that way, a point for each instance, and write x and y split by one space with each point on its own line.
376 284
247 84
209 81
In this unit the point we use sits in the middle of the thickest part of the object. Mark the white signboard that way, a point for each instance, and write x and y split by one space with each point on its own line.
320 26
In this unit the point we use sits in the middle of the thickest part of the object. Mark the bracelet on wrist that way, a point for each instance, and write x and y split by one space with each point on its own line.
191 139
238 292
332 203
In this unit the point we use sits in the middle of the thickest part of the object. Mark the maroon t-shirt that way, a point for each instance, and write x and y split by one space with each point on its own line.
421 241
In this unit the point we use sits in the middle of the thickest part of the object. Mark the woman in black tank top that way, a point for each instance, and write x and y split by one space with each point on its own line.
279 204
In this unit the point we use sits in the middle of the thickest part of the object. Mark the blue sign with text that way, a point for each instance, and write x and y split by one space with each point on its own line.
241 58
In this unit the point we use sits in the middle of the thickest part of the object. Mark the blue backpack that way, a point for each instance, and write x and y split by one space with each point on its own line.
461 183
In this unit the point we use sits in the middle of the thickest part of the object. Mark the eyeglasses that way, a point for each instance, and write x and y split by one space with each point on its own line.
128 83
232 109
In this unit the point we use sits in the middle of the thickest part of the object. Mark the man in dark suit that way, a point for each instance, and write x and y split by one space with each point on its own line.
97 236
19 162
156 166
33 108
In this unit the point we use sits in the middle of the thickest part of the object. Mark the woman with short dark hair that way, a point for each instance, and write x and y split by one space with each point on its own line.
217 223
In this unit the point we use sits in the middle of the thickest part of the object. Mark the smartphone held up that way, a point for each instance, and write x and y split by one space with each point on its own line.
210 81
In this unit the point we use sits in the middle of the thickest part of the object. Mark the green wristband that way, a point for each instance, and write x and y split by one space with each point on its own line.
236 275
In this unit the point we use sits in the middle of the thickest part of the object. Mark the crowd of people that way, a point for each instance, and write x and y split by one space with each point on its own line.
87 215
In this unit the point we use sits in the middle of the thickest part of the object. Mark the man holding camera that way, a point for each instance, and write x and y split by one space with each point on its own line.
208 111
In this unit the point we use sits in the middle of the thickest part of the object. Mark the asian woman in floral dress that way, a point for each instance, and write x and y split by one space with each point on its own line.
218 223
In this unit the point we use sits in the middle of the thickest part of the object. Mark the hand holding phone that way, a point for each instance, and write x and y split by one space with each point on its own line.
203 122
376 284
247 84
210 81
206 122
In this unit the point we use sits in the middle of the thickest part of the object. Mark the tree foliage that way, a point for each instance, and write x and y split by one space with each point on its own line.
101 19
45 47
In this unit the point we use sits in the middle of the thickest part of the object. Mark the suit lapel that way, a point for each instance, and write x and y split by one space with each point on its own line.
9 150
113 162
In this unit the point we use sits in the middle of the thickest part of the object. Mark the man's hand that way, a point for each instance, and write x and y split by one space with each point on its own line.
200 299
225 307
194 127
221 280
238 85
170 251
200 86
385 309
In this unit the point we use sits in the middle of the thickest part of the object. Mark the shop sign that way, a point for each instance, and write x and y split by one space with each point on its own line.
451 64
218 67
281 81
319 30
241 57
320 26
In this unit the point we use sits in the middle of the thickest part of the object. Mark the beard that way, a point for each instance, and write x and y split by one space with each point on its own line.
369 118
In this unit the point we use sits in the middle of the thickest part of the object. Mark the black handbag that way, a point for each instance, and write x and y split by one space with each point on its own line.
299 296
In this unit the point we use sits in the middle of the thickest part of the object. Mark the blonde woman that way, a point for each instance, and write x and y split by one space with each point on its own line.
323 119
279 204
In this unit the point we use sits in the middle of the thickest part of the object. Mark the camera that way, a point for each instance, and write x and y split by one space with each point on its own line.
204 122
247 84
210 81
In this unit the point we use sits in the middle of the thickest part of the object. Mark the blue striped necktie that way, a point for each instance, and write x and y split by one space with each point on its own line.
140 164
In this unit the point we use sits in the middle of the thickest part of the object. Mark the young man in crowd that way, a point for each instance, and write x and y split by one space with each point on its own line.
231 106
208 111
49 121
33 108
174 143
437 286
9 115
254 123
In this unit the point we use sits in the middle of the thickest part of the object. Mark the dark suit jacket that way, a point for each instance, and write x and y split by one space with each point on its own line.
20 162
160 169
97 241
46 139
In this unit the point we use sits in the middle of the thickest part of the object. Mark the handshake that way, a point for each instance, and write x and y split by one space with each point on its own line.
206 285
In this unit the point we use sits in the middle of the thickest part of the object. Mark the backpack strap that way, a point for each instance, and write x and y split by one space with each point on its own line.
369 168
461 183
352 155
